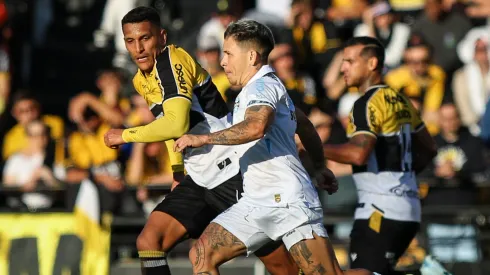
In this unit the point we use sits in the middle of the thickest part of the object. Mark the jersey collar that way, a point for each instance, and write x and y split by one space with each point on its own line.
263 71
375 87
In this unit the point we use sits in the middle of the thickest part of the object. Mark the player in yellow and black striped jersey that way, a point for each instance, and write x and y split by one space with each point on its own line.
181 95
388 144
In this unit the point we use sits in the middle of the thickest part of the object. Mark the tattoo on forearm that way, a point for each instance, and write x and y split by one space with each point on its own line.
242 132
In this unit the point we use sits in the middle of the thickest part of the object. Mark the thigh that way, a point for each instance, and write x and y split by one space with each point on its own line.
187 205
239 221
368 248
398 235
161 232
315 256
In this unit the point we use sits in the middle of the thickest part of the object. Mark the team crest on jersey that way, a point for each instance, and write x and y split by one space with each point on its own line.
277 198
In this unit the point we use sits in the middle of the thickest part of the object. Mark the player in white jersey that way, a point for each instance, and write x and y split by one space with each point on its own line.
279 200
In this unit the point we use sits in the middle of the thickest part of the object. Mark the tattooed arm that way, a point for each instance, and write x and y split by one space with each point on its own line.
310 139
355 152
253 127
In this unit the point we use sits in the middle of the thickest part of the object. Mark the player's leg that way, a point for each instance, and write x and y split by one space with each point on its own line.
182 213
277 259
231 234
215 246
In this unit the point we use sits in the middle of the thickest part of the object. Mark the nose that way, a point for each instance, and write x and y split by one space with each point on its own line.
343 68
223 62
139 47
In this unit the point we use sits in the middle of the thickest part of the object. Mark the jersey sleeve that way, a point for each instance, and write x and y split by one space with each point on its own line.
260 94
177 73
175 158
365 118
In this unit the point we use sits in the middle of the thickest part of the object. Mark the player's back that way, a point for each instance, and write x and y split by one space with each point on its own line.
273 174
387 179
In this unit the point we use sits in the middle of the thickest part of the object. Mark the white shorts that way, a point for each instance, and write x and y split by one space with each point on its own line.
256 225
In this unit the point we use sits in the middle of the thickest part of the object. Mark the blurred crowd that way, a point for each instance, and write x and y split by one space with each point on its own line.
437 54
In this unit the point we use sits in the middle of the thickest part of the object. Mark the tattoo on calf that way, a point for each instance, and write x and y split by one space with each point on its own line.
303 256
200 258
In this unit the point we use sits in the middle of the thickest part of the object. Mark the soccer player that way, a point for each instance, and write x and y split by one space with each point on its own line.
388 144
279 201
183 98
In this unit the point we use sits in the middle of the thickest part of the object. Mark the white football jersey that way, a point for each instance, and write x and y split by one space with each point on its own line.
211 165
272 172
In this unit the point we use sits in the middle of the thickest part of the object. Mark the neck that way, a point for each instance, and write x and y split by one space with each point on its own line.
484 67
32 150
249 74
450 136
371 81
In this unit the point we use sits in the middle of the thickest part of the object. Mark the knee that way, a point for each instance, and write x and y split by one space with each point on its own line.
148 240
201 257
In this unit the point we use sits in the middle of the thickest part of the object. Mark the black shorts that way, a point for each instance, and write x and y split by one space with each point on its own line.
379 252
195 206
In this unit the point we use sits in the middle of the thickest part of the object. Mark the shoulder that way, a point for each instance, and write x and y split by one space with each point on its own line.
437 72
14 131
52 120
400 71
176 54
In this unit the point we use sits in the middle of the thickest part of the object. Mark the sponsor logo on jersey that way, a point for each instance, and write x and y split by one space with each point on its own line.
224 163
180 78
403 190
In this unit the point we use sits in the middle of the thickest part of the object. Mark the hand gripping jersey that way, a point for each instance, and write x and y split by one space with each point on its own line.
387 182
177 75
272 173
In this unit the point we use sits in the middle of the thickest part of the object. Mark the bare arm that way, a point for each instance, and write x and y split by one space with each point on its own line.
253 127
355 152
136 162
310 139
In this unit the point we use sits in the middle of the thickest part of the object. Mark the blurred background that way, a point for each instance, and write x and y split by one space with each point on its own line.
69 204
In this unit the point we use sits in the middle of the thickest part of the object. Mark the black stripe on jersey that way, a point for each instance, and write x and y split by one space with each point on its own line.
419 127
166 75
157 110
195 117
388 153
360 111
211 100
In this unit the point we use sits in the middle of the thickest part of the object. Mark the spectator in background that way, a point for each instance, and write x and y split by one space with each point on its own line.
315 41
471 86
26 109
110 105
208 55
214 28
346 103
5 34
149 165
90 158
26 168
110 27
421 80
479 8
344 12
379 22
459 158
443 31
408 10
466 48
300 86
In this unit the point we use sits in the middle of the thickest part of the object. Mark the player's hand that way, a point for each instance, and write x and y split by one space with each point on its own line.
178 178
113 138
325 179
77 106
192 141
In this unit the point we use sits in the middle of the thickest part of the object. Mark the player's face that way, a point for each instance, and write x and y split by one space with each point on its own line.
235 62
354 66
144 41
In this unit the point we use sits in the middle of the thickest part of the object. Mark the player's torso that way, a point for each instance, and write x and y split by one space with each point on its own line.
387 180
273 174
177 74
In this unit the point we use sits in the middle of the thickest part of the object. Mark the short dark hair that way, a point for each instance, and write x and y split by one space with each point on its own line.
372 47
24 95
141 14
253 32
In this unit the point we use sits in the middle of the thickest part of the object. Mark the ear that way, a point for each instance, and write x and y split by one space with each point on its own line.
253 57
372 63
163 37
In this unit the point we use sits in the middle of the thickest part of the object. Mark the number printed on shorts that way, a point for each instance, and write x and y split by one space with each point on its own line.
406 147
